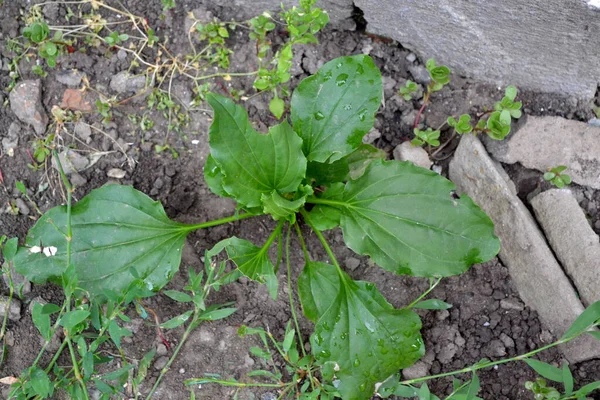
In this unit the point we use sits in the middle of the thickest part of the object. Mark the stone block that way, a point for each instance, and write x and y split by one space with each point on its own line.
538 277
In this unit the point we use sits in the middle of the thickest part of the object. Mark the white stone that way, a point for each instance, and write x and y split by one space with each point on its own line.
417 155
574 242
537 275
546 142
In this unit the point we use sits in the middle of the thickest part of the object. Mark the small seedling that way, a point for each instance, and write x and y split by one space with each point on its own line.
557 177
105 110
48 48
408 90
168 4
428 136
463 125
116 38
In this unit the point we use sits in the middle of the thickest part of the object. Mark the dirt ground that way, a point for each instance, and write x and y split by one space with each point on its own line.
487 319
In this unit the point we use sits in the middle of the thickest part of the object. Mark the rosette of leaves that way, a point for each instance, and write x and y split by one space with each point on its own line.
463 125
428 136
557 177
499 122
408 90
402 216
48 48
440 74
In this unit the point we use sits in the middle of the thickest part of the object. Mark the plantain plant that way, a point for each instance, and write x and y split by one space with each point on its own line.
313 170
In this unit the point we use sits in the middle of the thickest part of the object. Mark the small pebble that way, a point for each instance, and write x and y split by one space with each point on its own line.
116 173
594 122
411 57
182 370
161 362
161 350
22 206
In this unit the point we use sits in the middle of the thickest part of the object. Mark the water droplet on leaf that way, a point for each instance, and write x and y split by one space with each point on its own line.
319 115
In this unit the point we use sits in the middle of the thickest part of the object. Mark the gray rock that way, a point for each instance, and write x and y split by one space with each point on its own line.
83 130
71 77
161 350
20 283
419 73
511 305
14 130
351 263
124 82
594 122
13 308
22 206
575 244
116 173
121 54
507 340
524 251
26 103
161 362
546 142
417 155
563 53
411 57
9 145
77 180
372 136
71 161
417 370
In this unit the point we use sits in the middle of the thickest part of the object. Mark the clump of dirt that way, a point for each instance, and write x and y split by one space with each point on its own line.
487 318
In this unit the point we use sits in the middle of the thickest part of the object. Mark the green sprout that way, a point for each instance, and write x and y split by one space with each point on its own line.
428 136
463 125
556 177
408 90
440 74
115 38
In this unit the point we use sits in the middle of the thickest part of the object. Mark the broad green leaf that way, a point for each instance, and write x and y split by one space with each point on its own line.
115 229
114 375
288 340
326 217
595 334
252 163
589 317
545 370
178 296
333 109
40 382
73 318
406 219
254 262
277 107
41 321
351 166
364 337
315 279
176 321
362 157
432 304
280 207
214 177
88 364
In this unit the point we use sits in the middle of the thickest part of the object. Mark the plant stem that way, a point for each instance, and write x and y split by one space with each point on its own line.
425 104
491 364
185 336
321 238
302 242
208 224
431 287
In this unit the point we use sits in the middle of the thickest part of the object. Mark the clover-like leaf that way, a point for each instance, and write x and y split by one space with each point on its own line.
361 334
252 164
333 109
117 232
463 125
407 220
